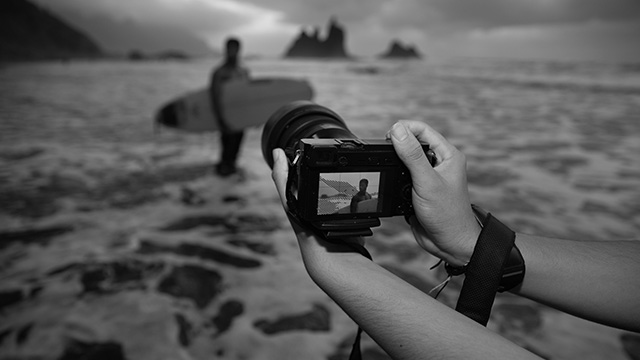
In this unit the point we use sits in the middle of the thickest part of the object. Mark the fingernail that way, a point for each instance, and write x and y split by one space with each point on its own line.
399 132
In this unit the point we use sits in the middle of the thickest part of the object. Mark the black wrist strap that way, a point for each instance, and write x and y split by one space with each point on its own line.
513 271
484 271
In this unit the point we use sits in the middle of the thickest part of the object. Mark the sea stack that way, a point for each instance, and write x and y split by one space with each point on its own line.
399 51
313 46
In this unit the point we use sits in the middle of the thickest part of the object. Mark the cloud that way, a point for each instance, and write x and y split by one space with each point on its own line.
211 20
372 23
451 14
455 16
312 12
499 13
196 15
591 41
267 26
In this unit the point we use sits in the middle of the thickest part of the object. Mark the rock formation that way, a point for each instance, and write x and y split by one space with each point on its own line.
28 32
313 46
398 51
137 55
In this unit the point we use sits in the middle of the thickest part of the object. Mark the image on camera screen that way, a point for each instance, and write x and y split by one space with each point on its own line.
348 193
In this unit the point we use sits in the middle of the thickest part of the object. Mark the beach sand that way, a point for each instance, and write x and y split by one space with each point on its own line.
141 252
181 264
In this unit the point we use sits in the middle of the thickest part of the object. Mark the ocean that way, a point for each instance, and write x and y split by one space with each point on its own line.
102 213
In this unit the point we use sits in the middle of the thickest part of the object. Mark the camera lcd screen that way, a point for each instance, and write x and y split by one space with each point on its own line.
348 193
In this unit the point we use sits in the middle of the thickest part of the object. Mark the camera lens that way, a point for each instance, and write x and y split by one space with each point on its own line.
301 120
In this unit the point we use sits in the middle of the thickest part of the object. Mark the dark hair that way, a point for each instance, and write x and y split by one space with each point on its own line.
233 42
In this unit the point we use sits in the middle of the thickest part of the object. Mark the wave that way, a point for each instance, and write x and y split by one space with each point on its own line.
547 84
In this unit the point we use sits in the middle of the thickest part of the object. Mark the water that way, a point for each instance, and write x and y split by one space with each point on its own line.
562 138
552 149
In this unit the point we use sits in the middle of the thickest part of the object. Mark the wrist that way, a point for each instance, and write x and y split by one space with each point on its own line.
460 255
494 239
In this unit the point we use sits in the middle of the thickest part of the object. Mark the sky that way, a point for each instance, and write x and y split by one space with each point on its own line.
591 30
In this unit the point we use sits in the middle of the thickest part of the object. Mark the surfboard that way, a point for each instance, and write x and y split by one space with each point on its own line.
245 104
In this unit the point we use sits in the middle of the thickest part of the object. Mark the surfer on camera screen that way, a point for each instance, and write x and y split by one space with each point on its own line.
230 140
360 195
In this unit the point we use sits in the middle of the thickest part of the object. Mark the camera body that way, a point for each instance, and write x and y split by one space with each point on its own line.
344 184
343 180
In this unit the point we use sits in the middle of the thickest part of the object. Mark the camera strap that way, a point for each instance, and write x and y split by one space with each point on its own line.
496 265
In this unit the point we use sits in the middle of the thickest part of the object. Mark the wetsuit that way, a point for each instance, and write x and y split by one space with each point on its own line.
360 196
230 139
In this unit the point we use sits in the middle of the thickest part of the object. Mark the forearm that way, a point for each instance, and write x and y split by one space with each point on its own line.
401 319
584 278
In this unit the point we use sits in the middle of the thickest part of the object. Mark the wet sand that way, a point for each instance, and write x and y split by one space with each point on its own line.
138 251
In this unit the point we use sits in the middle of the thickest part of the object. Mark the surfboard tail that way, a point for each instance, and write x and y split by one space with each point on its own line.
245 104
167 116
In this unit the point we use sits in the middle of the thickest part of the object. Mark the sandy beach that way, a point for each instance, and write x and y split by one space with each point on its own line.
121 241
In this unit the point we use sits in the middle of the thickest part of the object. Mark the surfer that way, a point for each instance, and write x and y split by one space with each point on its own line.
360 195
594 280
230 140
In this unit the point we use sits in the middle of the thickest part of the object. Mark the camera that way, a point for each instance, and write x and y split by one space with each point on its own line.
344 184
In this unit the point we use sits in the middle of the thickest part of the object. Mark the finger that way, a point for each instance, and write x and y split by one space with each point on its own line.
426 134
280 173
410 152
388 134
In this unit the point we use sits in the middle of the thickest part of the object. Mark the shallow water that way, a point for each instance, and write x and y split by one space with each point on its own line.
90 189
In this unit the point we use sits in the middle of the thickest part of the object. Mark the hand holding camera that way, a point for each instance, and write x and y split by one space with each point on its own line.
316 159
343 184
444 223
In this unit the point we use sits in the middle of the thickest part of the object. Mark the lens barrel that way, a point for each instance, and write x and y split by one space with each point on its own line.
301 120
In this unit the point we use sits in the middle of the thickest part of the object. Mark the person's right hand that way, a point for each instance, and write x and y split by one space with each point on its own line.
444 223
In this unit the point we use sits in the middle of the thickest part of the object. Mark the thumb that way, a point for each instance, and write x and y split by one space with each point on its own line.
280 173
410 151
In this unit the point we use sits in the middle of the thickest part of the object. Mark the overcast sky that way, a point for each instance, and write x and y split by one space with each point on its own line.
556 29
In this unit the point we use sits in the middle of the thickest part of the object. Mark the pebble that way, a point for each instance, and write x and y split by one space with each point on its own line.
317 319
192 282
201 252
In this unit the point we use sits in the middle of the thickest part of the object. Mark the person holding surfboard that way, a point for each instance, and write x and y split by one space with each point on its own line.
360 195
230 140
